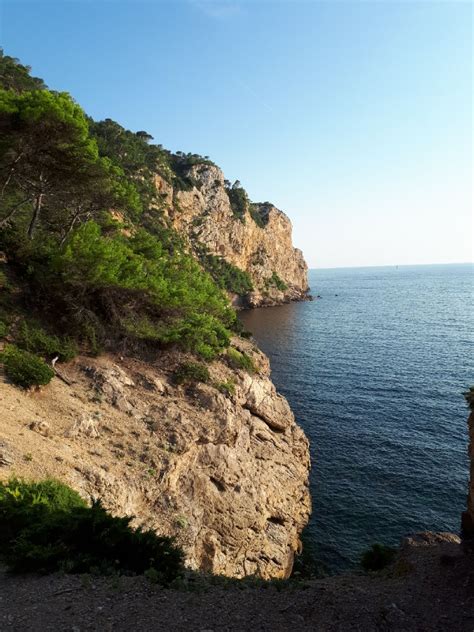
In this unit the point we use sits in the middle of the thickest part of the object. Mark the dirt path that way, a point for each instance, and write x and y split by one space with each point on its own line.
435 592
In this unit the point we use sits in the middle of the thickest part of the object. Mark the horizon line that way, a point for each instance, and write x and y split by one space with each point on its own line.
393 265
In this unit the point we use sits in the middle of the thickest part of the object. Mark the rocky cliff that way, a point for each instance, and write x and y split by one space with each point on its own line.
468 516
256 238
220 465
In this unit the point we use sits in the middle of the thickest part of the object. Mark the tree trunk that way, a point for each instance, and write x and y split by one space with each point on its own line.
10 174
72 223
36 214
12 211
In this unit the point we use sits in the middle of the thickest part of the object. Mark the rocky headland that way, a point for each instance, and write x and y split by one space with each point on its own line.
254 237
224 469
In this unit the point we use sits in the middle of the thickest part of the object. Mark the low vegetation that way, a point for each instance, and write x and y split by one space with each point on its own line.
240 204
239 200
24 368
275 281
189 372
226 388
378 557
240 360
33 338
46 527
256 214
227 276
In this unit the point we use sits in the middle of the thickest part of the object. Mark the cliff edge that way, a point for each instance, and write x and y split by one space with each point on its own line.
222 466
468 515
219 220
116 252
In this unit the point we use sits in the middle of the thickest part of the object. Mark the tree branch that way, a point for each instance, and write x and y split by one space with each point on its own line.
10 174
5 221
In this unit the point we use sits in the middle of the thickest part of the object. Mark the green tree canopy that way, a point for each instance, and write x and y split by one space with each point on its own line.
50 164
14 76
81 223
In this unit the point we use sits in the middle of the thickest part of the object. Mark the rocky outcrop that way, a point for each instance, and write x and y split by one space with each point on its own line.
258 241
221 466
468 515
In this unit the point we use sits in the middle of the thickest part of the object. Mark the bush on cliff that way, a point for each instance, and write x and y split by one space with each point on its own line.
277 282
378 557
226 388
16 77
256 215
239 200
46 527
125 281
226 275
25 369
191 372
240 360
33 338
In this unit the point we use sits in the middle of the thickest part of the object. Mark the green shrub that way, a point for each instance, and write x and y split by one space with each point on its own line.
227 388
226 275
24 368
240 360
202 333
3 329
121 280
257 216
379 556
239 200
112 287
191 372
19 500
275 281
46 527
36 340
245 333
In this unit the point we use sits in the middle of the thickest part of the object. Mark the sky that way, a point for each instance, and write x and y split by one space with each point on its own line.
355 118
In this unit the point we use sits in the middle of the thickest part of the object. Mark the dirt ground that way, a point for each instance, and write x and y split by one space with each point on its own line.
431 589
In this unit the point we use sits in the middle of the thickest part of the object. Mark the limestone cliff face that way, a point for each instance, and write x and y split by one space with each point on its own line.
227 474
206 216
468 516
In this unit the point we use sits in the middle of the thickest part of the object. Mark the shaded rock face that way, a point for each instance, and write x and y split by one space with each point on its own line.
227 475
468 516
205 215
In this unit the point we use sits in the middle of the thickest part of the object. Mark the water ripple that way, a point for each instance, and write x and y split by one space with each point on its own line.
375 376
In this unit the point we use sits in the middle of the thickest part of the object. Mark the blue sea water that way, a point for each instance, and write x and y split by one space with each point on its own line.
374 371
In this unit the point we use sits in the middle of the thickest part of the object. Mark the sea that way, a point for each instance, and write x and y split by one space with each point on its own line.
374 369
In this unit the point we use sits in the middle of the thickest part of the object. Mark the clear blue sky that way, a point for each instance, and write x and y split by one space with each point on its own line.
353 117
